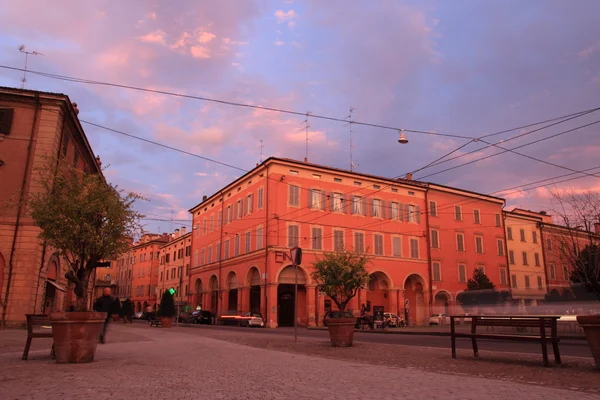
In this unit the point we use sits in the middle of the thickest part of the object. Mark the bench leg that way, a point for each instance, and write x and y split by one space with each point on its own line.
544 343
26 351
52 352
473 338
452 337
556 352
555 342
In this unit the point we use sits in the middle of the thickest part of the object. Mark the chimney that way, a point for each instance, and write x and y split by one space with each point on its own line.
204 197
176 234
98 161
597 228
543 213
75 108
182 230
409 176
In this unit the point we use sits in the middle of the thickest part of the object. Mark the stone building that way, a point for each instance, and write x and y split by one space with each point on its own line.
33 125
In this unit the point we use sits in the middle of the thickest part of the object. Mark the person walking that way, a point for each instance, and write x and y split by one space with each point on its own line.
104 303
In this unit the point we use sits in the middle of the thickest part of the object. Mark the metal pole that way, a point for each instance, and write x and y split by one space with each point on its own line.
295 301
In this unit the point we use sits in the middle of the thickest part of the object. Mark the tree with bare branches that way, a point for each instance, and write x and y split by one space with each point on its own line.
579 213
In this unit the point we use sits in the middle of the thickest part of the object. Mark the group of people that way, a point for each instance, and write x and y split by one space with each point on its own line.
109 304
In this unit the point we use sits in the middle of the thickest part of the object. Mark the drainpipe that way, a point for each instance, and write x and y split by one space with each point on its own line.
62 138
429 262
19 210
508 275
541 225
220 297
266 230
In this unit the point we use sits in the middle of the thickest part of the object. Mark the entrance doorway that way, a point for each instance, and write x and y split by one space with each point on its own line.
285 297
286 305
254 283
232 295
442 303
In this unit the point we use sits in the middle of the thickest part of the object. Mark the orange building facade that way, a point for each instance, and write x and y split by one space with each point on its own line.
242 236
466 233
174 270
33 125
145 262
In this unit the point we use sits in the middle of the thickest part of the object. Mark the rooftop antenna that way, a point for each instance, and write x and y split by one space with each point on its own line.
27 53
306 126
349 117
261 150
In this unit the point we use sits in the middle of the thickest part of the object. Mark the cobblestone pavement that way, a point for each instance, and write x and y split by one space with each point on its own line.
151 363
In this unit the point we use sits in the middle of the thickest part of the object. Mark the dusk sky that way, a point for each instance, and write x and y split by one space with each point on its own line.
467 68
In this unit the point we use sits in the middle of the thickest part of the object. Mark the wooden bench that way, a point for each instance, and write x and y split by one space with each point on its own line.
154 321
38 326
520 322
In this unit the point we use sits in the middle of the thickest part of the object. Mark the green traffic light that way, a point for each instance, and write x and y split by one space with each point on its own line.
172 291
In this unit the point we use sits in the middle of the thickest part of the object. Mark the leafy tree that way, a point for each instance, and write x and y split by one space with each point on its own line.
167 305
340 275
84 218
480 290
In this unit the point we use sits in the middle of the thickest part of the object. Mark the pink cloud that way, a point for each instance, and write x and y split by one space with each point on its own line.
283 16
156 37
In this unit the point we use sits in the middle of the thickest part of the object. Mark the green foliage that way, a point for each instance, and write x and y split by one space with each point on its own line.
84 218
479 281
480 290
340 275
167 305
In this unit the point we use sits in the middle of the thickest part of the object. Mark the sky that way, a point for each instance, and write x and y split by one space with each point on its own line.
467 68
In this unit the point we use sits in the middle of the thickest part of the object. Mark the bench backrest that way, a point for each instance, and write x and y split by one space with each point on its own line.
520 321
36 321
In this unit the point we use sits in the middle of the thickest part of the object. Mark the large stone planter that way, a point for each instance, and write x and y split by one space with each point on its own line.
76 335
591 327
166 322
341 331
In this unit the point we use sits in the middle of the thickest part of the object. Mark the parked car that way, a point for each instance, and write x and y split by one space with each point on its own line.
392 320
252 319
185 317
439 319
201 317
334 314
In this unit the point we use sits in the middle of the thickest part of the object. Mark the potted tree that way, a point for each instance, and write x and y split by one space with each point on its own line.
167 309
116 309
340 275
86 220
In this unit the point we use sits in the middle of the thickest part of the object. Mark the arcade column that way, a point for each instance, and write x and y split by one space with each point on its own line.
271 312
311 293
393 301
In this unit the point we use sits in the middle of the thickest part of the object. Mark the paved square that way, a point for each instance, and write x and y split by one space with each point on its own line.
143 363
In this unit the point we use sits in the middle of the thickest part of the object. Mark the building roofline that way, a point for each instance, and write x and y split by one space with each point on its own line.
493 199
179 239
69 108
270 160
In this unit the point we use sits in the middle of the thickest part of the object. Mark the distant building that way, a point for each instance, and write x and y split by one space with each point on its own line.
145 260
174 269
526 256
33 125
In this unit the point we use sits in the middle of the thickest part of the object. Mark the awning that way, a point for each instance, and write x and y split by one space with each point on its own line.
56 285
